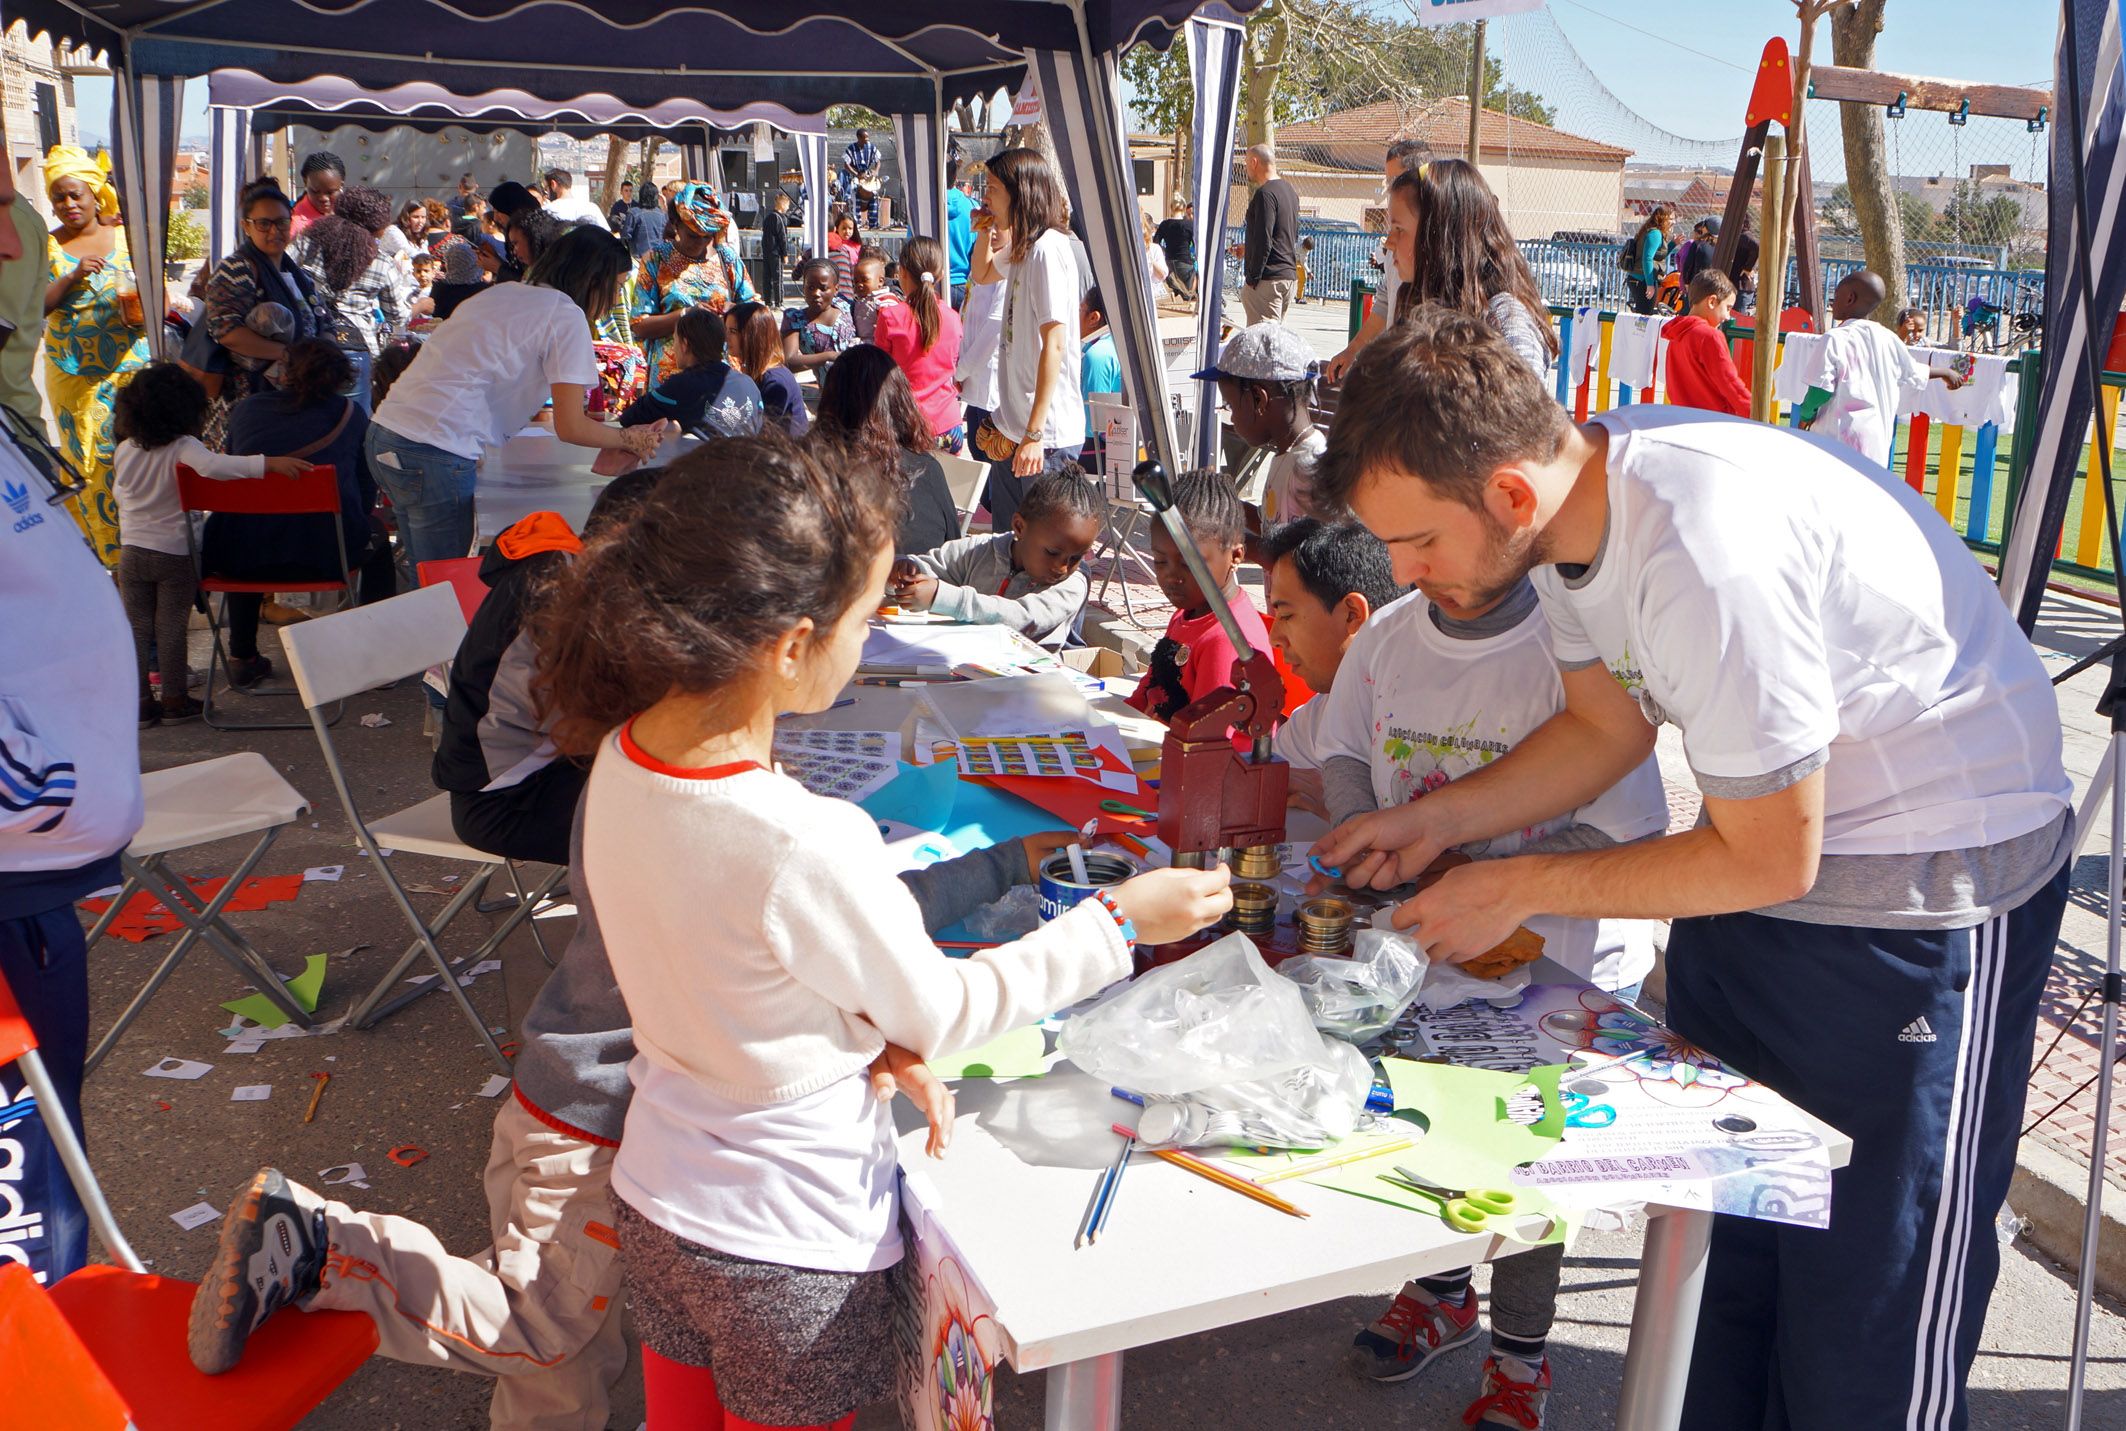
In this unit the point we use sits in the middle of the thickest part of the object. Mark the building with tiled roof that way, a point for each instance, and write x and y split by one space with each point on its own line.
1547 180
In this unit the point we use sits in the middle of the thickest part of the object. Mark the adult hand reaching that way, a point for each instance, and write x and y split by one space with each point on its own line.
1467 910
1384 848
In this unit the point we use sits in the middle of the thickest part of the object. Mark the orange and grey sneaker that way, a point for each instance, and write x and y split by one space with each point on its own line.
272 1255
1416 1328
1514 1393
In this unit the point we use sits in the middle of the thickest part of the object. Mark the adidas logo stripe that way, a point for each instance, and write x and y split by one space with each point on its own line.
1918 1031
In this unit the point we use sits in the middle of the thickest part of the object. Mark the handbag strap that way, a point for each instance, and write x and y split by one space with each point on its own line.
346 412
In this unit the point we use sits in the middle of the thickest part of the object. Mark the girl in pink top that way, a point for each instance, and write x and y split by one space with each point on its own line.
923 336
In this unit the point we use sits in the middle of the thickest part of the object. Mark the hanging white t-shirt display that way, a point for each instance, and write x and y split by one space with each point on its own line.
1790 607
1872 376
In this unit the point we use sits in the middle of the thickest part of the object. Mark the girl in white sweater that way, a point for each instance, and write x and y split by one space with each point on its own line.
765 949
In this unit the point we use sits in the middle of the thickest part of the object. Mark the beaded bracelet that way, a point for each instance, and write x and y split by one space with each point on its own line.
1107 902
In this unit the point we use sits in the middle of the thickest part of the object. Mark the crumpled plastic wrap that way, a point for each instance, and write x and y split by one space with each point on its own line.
1360 997
1014 916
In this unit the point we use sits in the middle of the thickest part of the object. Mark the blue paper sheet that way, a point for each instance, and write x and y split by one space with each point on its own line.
971 816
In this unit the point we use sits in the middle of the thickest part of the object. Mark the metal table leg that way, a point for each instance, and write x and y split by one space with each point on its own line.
1085 1395
1664 1321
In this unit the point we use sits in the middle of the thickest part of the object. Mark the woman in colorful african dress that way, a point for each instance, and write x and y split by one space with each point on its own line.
691 267
92 343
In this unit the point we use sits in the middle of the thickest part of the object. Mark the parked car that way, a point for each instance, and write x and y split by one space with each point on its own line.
1564 277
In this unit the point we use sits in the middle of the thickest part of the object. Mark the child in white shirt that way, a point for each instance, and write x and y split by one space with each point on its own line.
755 1187
157 420
1867 371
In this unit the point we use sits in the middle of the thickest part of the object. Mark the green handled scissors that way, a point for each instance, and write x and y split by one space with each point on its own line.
1116 807
1465 1211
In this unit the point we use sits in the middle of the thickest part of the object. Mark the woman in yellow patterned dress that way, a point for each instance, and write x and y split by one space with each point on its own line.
92 344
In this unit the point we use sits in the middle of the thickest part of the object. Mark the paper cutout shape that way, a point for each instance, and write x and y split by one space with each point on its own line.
1022 1053
179 1068
342 1173
304 988
497 1084
199 1214
251 1093
144 917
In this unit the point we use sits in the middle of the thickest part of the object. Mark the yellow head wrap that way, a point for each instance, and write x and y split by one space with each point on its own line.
71 161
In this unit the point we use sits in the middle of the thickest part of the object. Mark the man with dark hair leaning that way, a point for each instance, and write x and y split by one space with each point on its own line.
1864 918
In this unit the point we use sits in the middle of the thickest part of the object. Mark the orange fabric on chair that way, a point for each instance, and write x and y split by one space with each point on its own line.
105 1343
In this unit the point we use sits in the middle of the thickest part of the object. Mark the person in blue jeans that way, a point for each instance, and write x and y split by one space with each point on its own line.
503 355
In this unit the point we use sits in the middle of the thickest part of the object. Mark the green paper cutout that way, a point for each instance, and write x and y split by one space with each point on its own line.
1022 1053
304 988
1469 1145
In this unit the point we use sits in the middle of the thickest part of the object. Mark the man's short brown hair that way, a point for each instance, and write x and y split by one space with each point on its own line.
1709 283
1441 397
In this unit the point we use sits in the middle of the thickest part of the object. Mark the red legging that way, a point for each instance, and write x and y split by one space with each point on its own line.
683 1398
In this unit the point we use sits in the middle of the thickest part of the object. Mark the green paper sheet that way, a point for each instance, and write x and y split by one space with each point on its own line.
1022 1053
1467 1144
304 988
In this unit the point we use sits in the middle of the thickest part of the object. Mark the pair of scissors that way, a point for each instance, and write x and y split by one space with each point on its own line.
1583 1112
1116 807
1466 1210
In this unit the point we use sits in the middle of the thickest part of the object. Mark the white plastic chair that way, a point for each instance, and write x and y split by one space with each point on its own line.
337 656
187 806
967 479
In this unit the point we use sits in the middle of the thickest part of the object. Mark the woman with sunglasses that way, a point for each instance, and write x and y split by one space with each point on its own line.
93 342
259 271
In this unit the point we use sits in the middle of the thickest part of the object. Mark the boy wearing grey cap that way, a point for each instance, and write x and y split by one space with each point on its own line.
1266 378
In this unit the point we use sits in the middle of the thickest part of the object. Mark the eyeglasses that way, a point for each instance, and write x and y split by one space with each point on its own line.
51 464
269 224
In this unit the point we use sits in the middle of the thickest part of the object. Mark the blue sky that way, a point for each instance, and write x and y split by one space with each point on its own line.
1645 53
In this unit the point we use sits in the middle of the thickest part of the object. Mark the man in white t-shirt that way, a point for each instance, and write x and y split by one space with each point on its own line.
1867 373
563 204
1865 916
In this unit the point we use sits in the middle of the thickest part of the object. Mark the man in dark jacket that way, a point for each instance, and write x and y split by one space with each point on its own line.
644 225
774 249
1269 258
511 793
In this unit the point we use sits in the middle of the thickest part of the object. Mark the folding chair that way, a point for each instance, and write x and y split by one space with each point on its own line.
462 575
333 657
968 480
193 805
105 1348
316 492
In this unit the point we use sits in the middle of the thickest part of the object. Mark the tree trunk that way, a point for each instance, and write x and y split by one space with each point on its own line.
615 170
1867 168
649 159
1266 47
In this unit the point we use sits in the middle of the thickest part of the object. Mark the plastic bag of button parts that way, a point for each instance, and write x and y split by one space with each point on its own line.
1220 1016
1361 997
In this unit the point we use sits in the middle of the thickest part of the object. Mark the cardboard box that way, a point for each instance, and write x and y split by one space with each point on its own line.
1100 661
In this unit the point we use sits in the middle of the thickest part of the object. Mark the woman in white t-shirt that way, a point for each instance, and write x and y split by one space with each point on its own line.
1038 423
505 353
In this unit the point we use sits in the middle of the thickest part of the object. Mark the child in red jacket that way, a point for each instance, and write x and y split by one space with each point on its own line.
1701 371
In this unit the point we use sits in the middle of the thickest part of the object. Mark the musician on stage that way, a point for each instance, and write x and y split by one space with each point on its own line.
860 181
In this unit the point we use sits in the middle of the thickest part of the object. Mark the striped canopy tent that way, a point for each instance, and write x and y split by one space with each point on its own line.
911 58
242 106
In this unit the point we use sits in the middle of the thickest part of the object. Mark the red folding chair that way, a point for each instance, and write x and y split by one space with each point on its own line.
105 1348
463 576
315 493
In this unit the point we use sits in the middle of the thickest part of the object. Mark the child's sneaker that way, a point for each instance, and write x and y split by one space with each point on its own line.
180 710
1414 1330
150 712
1514 1393
272 1255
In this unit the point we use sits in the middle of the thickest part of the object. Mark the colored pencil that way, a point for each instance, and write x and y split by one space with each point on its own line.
1092 1207
1220 1176
1315 1165
1114 1190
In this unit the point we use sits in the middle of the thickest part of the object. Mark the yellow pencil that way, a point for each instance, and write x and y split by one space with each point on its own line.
1300 1170
1218 1175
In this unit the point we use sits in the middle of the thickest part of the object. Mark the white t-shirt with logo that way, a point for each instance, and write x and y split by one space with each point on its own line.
1422 707
1039 289
487 371
1869 372
1791 607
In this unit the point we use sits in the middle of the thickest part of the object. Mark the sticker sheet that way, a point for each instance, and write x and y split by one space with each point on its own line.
865 744
1067 752
843 777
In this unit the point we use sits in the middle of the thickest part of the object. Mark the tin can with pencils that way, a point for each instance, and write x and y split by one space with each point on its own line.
1060 887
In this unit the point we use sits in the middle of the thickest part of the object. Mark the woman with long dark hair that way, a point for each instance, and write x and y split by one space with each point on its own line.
753 337
311 417
866 406
505 353
1641 259
1466 259
355 278
1039 421
922 334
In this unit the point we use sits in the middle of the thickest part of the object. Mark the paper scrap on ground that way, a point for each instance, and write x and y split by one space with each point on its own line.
199 1214
324 872
497 1084
352 1175
1022 1053
179 1068
304 988
144 916
376 720
252 1093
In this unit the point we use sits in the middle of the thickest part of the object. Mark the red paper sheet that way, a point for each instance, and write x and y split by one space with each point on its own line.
144 917
1074 801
